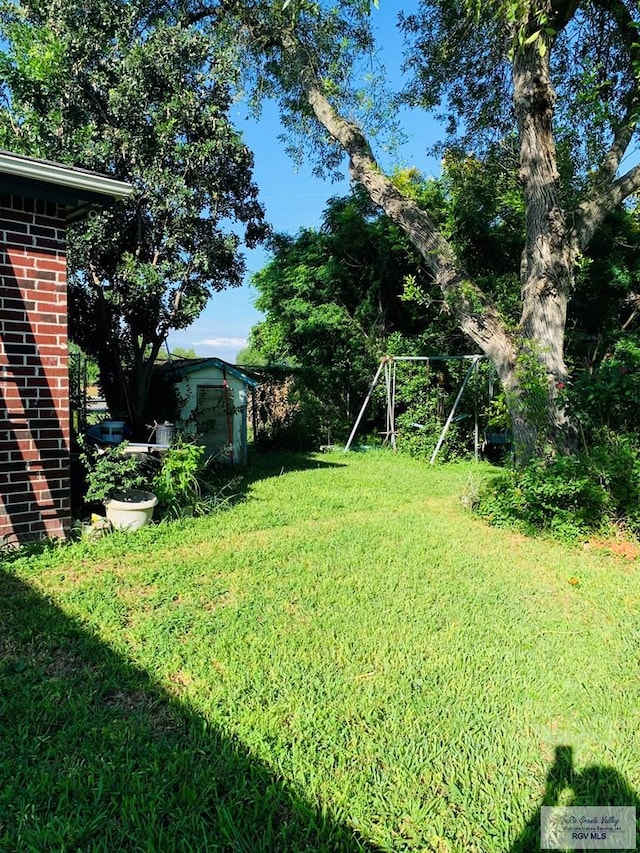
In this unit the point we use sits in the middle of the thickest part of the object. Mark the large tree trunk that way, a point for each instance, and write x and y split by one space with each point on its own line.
105 348
546 267
546 274
126 391
140 385
529 362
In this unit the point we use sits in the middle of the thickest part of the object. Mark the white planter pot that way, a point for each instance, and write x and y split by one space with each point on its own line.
130 510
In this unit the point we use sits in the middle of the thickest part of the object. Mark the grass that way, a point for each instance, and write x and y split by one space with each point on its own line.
344 660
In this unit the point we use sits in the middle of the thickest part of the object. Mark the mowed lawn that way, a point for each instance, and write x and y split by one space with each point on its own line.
345 660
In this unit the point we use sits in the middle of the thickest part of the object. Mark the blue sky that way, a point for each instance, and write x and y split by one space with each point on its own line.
294 198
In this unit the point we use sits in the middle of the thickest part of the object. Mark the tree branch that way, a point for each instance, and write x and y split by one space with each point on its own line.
606 192
635 302
626 28
562 12
95 283
598 204
477 315
621 141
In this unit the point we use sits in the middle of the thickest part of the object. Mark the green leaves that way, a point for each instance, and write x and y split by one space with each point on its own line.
109 470
117 89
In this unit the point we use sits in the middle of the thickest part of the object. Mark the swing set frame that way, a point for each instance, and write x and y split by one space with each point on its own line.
388 367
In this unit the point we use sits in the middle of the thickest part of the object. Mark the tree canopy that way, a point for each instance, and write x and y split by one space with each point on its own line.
125 89
333 297
557 78
555 82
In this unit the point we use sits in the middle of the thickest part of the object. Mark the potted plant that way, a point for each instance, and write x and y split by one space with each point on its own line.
119 480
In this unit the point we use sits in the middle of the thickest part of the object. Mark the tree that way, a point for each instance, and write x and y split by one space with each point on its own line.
176 352
249 356
123 88
558 76
333 297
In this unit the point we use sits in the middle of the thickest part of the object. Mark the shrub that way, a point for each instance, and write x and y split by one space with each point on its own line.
178 482
108 470
569 495
615 461
290 415
609 396
419 430
181 479
424 397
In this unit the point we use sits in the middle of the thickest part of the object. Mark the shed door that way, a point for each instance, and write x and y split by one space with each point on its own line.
214 416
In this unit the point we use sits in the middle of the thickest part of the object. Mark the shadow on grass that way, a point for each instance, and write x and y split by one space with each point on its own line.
265 464
273 463
596 785
95 756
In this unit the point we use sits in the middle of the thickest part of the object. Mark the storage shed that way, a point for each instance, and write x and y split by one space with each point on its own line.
38 199
213 397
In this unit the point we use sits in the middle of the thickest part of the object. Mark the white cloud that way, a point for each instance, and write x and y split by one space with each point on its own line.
221 342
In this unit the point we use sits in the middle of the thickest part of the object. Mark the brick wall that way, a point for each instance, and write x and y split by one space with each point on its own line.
34 383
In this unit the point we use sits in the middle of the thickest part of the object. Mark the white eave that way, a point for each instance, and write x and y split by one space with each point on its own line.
68 177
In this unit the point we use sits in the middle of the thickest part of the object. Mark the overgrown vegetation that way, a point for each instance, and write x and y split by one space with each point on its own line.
183 478
425 394
189 483
570 496
599 485
345 662
127 89
289 415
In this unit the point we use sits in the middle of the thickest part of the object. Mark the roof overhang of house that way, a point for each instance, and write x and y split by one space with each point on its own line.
77 190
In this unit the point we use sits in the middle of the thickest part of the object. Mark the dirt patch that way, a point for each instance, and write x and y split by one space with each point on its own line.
625 548
65 665
153 708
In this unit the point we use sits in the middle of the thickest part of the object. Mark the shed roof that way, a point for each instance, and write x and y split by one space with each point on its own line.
78 190
175 370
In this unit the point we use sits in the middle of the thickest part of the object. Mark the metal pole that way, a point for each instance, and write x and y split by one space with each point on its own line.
387 382
435 357
452 412
383 360
476 431
393 407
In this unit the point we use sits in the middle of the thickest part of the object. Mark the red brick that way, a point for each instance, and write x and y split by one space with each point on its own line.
50 263
15 215
34 428
47 328
19 240
15 226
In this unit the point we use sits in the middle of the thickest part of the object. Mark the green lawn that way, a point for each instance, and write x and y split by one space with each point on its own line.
345 660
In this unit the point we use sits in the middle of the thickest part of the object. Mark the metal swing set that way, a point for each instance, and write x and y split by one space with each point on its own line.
387 367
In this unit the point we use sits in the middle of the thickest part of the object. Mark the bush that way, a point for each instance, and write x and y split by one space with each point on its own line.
181 478
419 430
177 484
615 461
289 415
108 469
424 397
188 483
609 396
569 495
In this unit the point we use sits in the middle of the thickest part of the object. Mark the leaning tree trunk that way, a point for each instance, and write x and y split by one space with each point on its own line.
530 363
